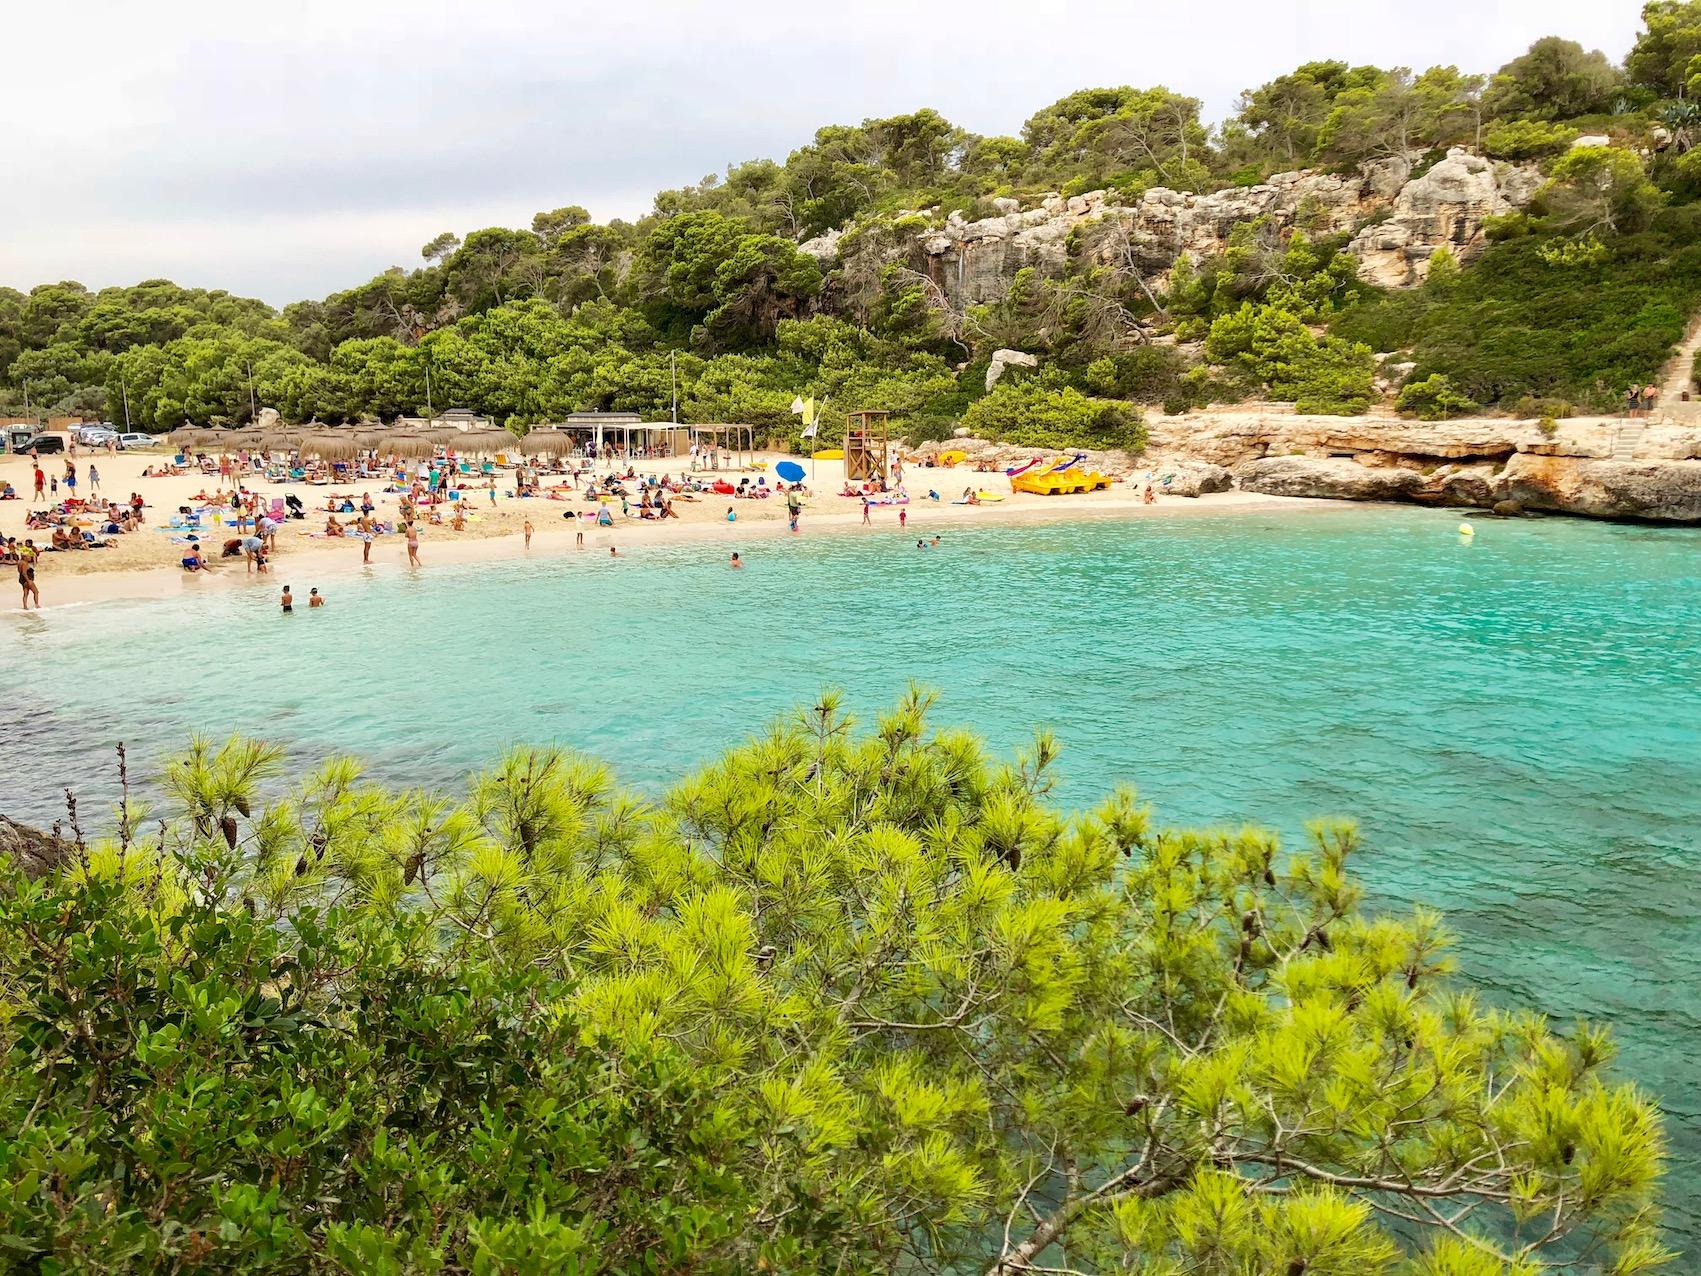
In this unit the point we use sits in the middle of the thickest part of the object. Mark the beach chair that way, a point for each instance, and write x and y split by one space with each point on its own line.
277 511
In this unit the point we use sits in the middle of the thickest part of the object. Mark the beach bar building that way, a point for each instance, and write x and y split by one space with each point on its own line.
603 428
734 445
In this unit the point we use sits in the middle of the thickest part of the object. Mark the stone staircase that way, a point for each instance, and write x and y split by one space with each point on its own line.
1625 436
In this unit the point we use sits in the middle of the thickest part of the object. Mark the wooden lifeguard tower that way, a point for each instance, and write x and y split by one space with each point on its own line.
865 445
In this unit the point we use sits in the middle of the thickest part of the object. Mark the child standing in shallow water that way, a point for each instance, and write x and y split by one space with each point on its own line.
288 601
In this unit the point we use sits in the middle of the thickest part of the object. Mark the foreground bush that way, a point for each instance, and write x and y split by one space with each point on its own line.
837 1002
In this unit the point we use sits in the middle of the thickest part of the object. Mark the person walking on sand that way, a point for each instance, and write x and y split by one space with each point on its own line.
94 479
865 507
26 574
527 531
903 518
412 530
40 484
364 529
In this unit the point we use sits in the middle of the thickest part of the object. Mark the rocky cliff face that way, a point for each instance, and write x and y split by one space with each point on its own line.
1600 468
1597 468
975 261
1447 205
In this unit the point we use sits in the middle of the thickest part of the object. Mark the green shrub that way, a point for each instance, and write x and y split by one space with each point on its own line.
210 1086
1149 374
1035 412
1532 318
835 1000
1327 375
1434 399
1502 226
1527 139
1531 405
1338 378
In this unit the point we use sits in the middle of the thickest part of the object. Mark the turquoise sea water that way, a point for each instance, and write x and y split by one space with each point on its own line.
1515 721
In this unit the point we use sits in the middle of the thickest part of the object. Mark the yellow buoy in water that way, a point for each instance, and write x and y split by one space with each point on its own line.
1465 529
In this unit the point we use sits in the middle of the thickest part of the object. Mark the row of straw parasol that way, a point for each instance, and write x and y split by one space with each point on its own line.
344 443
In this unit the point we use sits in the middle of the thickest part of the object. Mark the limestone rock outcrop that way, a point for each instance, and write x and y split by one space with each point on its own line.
1660 490
1595 467
1588 466
1192 478
1446 206
1337 478
1002 359
974 262
35 852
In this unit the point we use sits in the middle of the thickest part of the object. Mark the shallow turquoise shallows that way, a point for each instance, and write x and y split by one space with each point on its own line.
1514 720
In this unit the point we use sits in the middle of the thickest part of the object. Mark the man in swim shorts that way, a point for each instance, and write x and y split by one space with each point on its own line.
288 601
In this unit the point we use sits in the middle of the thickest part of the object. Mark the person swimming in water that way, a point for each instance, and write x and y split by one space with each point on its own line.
315 598
736 560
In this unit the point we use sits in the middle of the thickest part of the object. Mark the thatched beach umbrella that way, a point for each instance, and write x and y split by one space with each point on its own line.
439 433
333 445
487 441
548 443
408 445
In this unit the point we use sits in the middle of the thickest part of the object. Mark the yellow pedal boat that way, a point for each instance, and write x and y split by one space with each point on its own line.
1064 478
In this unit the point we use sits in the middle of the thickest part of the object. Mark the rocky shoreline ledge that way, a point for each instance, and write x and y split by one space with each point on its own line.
1592 467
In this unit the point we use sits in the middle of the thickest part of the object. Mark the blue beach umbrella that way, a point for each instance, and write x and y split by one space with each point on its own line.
790 471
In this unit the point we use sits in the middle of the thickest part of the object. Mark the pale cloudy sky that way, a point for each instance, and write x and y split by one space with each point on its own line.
290 148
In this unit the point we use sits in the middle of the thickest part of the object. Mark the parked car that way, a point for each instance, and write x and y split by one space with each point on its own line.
95 435
43 444
128 441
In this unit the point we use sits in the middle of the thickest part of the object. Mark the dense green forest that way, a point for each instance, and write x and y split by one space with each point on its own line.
1583 292
847 1000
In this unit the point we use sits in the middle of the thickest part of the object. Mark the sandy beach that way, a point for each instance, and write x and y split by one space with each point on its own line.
146 563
